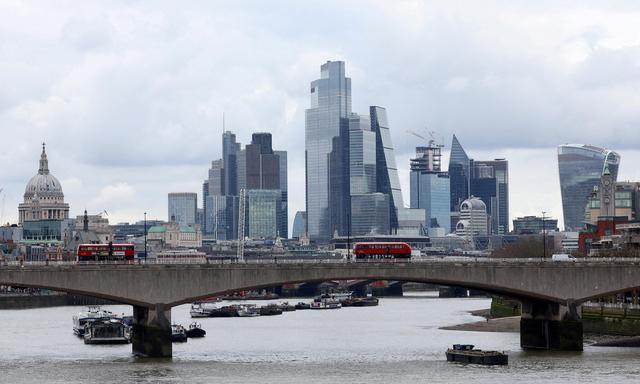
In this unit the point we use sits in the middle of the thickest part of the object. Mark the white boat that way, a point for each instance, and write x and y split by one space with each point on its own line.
202 309
92 314
106 331
248 310
325 302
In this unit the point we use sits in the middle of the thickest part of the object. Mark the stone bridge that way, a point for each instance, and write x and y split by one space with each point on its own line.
550 292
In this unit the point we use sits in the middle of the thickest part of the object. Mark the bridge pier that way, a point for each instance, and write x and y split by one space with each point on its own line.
151 334
551 326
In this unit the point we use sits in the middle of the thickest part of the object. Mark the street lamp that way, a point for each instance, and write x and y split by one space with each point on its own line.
145 236
544 237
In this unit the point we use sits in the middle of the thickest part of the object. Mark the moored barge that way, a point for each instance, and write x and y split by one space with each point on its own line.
465 353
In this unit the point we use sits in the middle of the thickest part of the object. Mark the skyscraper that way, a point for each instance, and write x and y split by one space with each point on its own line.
430 188
490 182
581 167
459 172
387 178
183 208
230 149
330 105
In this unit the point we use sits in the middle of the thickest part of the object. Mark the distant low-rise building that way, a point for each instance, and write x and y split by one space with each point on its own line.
173 235
528 225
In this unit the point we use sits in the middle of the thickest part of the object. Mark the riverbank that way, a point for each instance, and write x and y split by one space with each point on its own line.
512 324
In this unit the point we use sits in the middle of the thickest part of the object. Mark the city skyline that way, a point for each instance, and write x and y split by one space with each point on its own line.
112 153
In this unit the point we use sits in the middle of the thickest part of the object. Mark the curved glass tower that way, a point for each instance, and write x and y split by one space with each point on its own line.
581 167
330 106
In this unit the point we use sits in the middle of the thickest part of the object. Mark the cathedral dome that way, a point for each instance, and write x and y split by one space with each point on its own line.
44 184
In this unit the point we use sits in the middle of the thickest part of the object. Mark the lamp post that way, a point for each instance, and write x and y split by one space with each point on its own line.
145 236
544 237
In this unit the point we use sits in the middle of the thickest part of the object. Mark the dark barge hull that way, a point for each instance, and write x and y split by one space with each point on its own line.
477 358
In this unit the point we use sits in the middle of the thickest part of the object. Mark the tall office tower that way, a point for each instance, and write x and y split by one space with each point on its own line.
205 193
430 189
262 165
230 149
330 105
183 208
263 206
218 208
459 176
459 171
283 220
370 209
387 178
216 178
581 167
299 222
490 182
263 173
221 217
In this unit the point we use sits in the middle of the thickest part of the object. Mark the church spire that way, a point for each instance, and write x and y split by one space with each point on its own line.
44 163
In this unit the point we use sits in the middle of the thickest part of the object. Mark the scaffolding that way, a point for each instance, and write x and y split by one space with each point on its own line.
241 222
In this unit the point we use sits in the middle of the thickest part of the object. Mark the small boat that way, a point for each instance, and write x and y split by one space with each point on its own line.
286 307
248 310
195 330
227 311
178 333
325 302
465 353
92 314
201 309
270 310
106 331
302 305
365 302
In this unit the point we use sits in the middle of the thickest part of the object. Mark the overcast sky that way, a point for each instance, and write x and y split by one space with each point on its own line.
129 95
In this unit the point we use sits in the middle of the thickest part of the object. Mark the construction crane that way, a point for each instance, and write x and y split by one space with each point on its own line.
431 142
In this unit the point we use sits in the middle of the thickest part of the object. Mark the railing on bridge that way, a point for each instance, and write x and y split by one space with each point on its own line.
286 260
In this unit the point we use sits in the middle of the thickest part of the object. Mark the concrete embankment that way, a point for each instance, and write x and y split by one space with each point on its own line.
25 301
604 326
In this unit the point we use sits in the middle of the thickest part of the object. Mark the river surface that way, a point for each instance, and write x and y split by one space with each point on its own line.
398 341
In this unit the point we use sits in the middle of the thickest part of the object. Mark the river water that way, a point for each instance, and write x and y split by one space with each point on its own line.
398 341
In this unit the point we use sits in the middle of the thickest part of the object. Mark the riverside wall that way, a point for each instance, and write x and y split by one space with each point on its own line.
23 301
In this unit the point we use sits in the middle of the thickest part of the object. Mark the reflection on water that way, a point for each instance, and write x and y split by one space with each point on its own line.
397 342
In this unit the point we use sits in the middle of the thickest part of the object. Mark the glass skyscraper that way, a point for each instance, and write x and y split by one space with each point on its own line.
183 208
388 181
330 106
581 167
459 172
262 213
299 225
430 188
490 182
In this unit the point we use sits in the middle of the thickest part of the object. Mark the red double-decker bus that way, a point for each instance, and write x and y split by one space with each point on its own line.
102 252
382 250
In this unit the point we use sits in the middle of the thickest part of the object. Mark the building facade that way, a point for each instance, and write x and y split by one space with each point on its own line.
580 168
430 188
330 104
256 167
299 225
262 210
473 218
183 208
490 182
43 196
531 225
